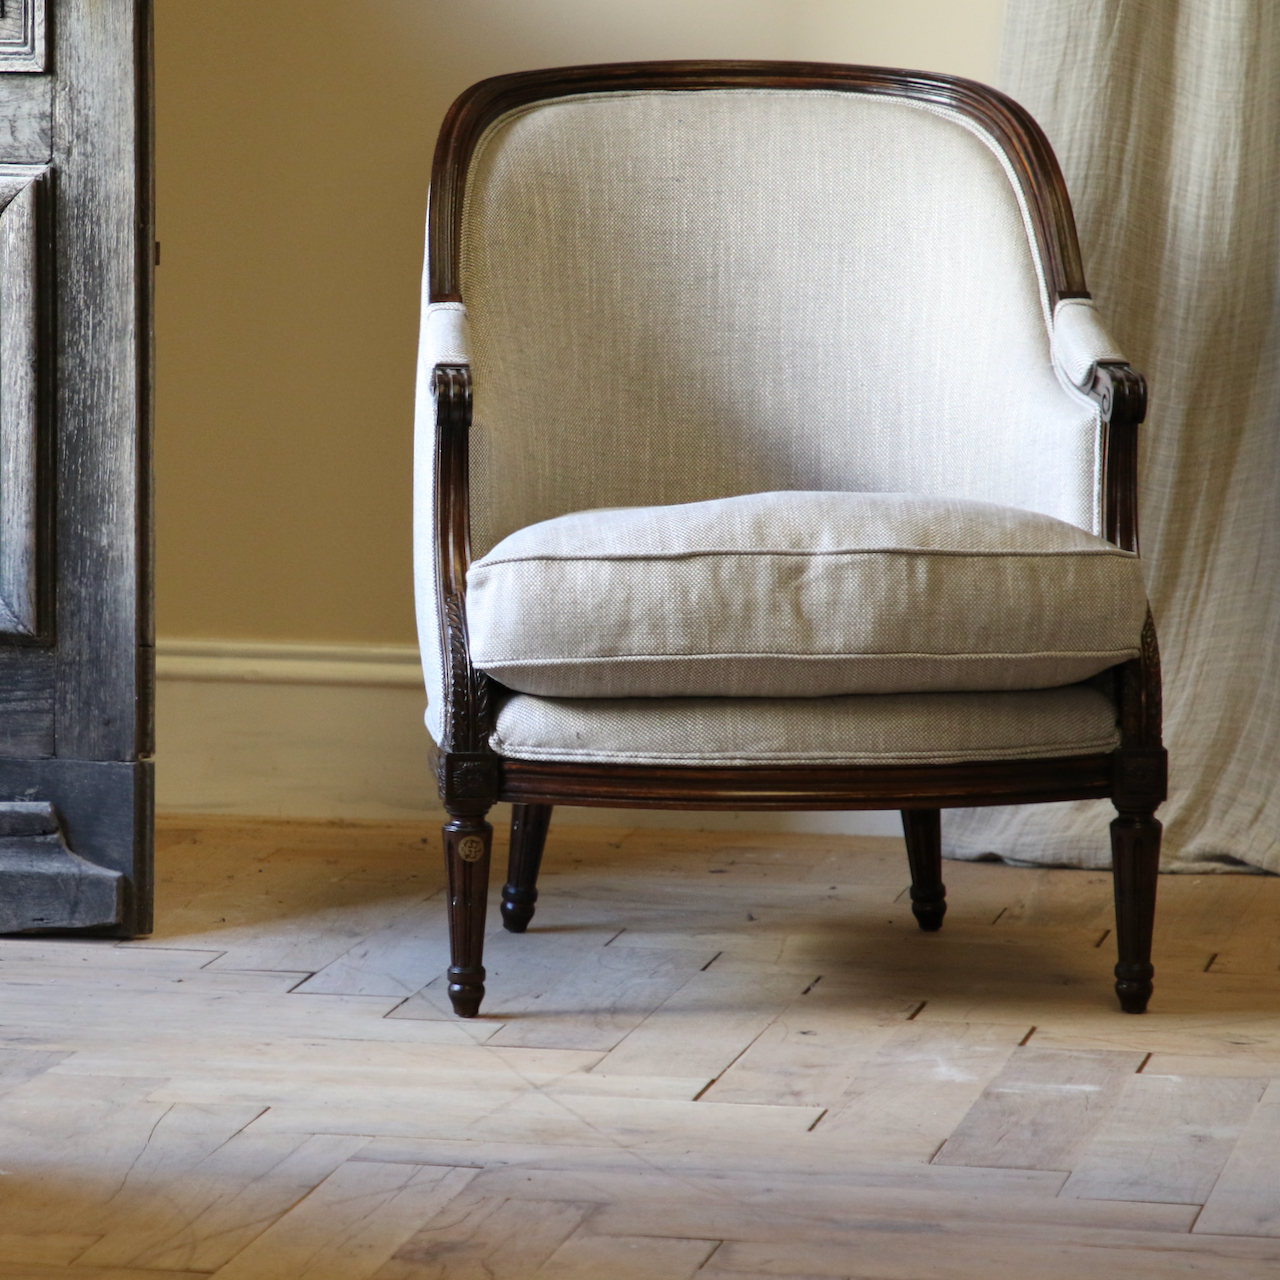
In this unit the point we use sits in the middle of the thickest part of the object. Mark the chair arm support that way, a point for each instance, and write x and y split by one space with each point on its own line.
1139 694
1121 396
466 691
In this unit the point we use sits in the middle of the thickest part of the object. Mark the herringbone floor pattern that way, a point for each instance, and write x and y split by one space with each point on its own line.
726 1056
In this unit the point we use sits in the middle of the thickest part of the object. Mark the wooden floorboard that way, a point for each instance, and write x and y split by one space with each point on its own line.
714 1055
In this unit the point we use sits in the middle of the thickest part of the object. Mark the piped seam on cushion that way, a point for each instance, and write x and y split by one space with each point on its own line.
1054 655
573 557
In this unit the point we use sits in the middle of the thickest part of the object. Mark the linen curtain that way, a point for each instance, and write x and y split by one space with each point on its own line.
1165 116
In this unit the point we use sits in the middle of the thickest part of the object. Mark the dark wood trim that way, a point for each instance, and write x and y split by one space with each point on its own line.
922 831
1139 694
466 712
529 824
1135 866
468 843
1121 395
938 786
1008 124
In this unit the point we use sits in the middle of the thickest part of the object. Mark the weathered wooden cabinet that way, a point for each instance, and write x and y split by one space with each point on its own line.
76 648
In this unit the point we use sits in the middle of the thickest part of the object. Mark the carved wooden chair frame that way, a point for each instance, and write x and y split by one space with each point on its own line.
472 777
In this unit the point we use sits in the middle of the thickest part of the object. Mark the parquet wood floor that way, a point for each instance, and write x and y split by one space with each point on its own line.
713 1055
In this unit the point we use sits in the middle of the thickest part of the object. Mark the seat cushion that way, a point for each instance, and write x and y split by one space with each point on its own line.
801 595
901 728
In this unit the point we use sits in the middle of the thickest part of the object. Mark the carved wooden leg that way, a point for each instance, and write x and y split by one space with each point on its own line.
529 824
467 840
1135 864
923 831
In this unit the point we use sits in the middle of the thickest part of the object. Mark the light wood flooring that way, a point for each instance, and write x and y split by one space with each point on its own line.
713 1054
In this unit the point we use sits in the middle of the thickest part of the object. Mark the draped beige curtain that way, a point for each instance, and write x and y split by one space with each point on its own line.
1165 115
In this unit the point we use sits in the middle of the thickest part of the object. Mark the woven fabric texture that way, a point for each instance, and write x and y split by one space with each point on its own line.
926 728
1080 341
802 594
678 296
444 338
1165 115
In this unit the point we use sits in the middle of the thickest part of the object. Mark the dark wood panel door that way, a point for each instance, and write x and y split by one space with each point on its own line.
76 647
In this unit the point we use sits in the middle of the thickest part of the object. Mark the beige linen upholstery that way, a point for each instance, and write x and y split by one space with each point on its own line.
677 296
923 728
802 594
739 304
1080 342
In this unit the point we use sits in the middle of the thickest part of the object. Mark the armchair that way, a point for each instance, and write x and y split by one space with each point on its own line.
771 455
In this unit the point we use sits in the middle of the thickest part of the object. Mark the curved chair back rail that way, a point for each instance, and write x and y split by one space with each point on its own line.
1019 136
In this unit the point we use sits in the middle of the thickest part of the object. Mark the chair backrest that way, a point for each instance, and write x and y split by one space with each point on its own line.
676 294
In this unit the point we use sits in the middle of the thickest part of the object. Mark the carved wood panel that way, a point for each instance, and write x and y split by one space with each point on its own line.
77 243
21 198
22 43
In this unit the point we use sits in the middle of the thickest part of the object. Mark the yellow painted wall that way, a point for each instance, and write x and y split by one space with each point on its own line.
293 145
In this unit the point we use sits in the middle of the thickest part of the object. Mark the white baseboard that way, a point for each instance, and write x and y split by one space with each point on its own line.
255 662
335 731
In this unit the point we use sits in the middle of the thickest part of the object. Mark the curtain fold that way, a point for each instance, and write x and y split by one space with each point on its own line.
1165 116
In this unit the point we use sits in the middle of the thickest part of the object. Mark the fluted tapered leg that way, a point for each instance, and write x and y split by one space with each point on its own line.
467 841
1135 866
529 824
923 831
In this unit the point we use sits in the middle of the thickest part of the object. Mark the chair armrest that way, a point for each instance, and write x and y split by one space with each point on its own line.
458 695
1121 396
1080 342
1089 361
466 691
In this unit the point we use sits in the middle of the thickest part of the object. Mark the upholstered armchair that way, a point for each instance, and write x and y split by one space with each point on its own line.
771 455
